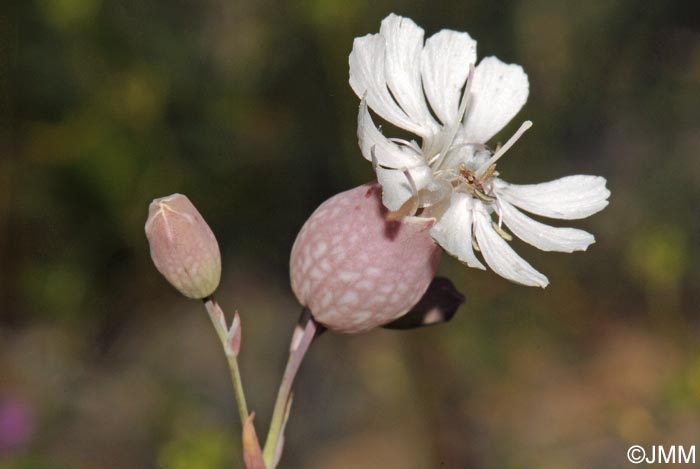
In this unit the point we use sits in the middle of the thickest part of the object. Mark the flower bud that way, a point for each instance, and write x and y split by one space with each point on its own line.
183 247
356 270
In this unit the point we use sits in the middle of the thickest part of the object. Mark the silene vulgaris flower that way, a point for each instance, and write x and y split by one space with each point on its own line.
434 90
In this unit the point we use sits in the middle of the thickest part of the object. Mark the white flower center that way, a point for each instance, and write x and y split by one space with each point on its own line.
472 166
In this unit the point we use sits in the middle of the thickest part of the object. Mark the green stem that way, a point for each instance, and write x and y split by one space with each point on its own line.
304 334
219 321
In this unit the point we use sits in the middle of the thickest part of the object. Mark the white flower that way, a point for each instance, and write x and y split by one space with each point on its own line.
434 91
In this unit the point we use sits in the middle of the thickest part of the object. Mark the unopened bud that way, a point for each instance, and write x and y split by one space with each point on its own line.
183 247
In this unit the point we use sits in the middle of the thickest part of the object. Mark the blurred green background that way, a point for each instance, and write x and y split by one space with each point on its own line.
244 106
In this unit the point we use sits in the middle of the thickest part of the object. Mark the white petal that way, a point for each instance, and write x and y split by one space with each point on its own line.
445 66
568 198
388 154
396 188
499 91
404 44
544 237
367 79
501 257
454 230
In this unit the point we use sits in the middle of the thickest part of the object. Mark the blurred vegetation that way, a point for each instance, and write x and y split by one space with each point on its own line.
244 106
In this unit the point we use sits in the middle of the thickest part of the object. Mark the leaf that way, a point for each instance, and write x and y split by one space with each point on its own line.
233 337
252 454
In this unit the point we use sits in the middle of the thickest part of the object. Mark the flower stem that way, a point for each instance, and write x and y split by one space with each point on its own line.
304 333
219 321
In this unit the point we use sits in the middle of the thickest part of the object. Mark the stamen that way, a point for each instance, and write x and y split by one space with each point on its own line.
504 234
488 173
460 116
501 151
400 141
475 245
480 195
434 159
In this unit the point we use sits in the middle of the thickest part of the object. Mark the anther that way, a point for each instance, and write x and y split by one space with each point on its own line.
503 233
475 245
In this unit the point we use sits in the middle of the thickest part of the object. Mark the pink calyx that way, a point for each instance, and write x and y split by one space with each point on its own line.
356 270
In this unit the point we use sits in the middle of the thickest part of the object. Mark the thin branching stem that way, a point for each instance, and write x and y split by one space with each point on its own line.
304 334
219 321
